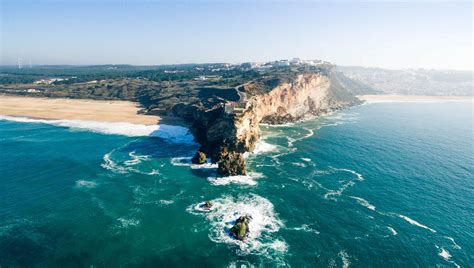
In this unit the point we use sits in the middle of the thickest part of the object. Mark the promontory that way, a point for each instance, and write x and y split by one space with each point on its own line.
223 104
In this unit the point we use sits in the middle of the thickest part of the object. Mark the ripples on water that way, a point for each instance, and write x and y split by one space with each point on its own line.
377 185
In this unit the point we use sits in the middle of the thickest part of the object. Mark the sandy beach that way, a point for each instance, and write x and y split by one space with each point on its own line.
413 98
75 109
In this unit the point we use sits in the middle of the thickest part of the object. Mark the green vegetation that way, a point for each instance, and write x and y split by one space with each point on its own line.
153 86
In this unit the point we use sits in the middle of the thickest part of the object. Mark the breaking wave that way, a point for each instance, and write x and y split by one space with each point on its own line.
363 202
264 224
413 222
291 140
249 179
199 207
264 147
358 175
136 159
455 245
185 161
394 232
444 254
176 134
111 165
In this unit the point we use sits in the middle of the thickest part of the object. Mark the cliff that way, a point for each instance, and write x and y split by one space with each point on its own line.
229 129
223 103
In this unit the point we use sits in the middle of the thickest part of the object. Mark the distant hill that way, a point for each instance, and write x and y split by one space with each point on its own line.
355 87
413 81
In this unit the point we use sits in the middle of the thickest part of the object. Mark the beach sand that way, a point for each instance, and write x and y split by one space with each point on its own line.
412 98
75 109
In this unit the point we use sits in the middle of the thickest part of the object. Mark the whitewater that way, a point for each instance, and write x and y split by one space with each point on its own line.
356 188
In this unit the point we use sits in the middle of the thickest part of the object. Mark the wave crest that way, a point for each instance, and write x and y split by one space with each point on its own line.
249 179
177 134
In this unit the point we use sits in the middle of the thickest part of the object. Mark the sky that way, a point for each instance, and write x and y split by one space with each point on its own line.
394 35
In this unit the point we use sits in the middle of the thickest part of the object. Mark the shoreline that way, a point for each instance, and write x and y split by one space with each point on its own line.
113 111
413 98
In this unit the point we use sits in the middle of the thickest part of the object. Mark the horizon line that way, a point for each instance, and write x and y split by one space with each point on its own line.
235 63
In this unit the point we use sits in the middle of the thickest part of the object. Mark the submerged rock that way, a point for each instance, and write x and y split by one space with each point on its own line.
241 228
199 158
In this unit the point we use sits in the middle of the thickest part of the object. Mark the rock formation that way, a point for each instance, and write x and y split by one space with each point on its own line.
207 205
229 129
241 228
199 158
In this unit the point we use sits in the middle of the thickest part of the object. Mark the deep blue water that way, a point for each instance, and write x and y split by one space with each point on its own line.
381 185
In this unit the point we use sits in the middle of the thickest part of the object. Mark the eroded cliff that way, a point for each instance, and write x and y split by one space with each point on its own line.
229 129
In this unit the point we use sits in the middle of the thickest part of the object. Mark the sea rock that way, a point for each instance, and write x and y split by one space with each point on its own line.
207 205
241 228
231 163
199 158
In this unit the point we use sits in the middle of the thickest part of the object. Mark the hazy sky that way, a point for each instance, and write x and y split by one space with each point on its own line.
391 35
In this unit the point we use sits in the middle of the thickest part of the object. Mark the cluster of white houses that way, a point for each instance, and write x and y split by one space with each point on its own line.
48 81
294 61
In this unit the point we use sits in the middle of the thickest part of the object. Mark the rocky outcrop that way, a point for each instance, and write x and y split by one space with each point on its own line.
225 136
199 158
231 163
207 205
241 228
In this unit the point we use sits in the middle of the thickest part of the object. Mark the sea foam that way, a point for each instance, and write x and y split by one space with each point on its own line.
264 147
344 258
358 175
264 223
363 202
185 161
443 253
85 184
249 179
305 228
127 166
127 222
177 134
413 222
455 245
136 159
394 232
339 192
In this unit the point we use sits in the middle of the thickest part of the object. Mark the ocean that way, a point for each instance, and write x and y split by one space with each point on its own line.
378 185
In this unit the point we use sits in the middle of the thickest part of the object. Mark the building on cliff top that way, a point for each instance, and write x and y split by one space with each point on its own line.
236 108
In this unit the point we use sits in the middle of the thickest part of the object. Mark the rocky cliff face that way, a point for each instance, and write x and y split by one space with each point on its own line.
226 136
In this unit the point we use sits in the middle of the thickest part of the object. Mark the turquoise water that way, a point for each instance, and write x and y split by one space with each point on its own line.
384 184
